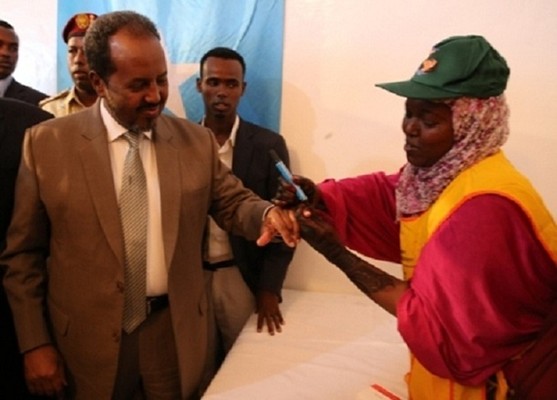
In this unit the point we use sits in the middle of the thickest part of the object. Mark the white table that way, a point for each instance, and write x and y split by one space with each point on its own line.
333 346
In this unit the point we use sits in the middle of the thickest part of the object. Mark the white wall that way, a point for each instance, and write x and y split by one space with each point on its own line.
35 24
338 124
335 121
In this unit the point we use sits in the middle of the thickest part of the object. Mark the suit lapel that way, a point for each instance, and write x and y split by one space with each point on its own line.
98 174
168 166
14 89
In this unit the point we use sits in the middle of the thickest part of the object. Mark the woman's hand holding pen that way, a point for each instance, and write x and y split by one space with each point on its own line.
286 196
293 190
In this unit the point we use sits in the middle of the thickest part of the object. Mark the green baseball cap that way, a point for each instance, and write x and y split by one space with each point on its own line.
460 66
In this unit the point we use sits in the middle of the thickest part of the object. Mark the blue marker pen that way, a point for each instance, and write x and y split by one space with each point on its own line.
285 173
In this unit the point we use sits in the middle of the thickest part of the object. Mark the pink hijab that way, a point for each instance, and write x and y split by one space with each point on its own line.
481 127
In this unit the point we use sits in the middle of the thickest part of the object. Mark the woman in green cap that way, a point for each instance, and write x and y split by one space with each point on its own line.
477 244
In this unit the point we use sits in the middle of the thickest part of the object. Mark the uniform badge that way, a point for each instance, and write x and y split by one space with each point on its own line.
82 21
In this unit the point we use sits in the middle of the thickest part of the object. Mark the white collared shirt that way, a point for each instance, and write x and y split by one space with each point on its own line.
4 83
157 272
218 248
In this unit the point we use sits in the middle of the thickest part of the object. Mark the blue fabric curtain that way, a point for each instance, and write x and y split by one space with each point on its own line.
189 28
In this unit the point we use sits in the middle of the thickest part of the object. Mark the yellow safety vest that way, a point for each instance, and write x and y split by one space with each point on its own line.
493 175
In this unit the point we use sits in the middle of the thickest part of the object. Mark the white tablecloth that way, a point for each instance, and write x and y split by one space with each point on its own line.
333 346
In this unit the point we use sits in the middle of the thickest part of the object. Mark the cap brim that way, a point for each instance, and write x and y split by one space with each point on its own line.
414 90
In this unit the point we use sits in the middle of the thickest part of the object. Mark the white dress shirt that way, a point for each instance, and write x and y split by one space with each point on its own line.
218 248
157 270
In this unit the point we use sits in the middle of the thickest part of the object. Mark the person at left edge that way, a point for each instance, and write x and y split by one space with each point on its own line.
9 54
15 117
81 94
65 248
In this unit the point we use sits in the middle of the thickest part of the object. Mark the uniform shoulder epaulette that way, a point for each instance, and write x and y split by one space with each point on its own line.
57 96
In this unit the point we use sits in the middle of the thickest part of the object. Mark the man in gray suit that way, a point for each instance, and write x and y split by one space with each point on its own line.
67 250
9 54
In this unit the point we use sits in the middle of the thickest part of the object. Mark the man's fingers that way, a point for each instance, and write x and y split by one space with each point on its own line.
283 222
265 237
274 323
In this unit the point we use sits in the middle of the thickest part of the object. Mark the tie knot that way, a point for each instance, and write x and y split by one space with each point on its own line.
132 138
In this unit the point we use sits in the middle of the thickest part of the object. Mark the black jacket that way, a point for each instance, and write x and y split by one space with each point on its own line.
262 267
24 93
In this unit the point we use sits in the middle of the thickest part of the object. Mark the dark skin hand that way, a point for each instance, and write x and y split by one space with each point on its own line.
267 302
268 312
286 194
379 286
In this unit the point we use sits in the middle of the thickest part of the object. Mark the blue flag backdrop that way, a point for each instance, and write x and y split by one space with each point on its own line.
188 29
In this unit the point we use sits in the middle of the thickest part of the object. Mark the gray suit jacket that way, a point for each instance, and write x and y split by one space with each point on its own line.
65 252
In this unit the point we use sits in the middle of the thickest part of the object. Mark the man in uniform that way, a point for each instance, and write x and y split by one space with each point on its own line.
81 94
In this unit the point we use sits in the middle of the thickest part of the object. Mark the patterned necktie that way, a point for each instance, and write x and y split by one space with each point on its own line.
133 214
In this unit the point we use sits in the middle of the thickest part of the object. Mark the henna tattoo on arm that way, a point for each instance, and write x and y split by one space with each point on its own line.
378 285
367 277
